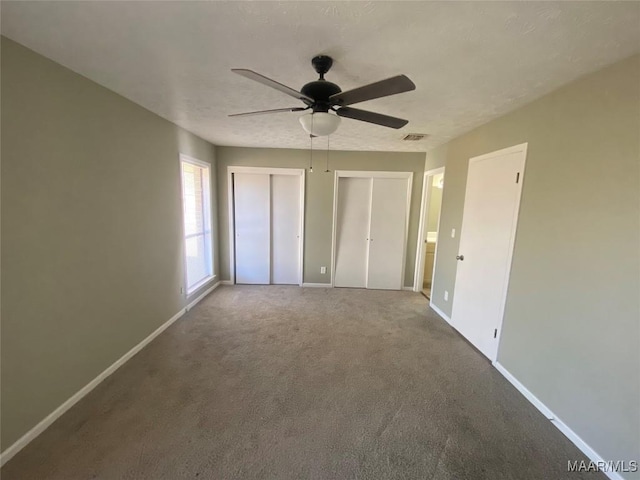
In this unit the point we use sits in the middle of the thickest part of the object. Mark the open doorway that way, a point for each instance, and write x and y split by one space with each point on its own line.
432 221
433 187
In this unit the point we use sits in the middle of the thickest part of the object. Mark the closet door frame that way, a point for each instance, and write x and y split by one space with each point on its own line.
368 174
230 201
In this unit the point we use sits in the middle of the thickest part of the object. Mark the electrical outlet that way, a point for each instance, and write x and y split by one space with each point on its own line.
446 296
323 270
181 290
453 233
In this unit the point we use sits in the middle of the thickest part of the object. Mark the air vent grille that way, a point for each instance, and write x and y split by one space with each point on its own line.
413 137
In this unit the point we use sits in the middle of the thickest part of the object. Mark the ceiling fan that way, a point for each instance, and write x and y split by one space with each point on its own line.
322 96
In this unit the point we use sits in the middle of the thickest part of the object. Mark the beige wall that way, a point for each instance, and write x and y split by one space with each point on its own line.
319 197
91 231
572 319
436 158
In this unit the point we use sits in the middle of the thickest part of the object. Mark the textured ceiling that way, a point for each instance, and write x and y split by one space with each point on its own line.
471 61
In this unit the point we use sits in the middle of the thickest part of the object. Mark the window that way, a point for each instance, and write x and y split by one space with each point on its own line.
196 202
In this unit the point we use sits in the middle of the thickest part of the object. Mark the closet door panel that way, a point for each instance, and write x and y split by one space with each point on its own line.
285 229
352 232
387 233
252 228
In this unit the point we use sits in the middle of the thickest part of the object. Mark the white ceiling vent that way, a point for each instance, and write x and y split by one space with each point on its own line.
412 137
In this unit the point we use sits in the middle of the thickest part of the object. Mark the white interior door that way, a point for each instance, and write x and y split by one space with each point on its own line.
252 228
491 206
352 231
387 233
285 229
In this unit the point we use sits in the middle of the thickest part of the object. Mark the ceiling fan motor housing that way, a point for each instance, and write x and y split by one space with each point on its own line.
320 91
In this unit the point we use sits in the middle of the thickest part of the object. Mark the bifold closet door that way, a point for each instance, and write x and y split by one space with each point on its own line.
352 232
285 229
387 233
252 228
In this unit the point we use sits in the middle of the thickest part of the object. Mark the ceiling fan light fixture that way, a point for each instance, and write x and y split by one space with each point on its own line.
320 124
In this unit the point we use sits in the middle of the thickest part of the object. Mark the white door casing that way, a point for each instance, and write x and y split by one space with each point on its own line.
487 237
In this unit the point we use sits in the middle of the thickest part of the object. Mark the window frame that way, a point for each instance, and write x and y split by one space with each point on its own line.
208 212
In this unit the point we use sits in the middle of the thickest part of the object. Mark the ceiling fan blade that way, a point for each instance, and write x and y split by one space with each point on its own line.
383 88
276 110
250 74
371 117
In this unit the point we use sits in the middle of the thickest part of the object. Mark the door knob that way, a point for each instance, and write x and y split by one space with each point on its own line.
460 257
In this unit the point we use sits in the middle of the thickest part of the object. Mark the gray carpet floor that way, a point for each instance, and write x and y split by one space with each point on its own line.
275 382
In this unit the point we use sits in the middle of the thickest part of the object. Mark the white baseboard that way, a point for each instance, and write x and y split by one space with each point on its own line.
317 285
524 391
226 282
559 424
440 312
23 441
410 289
586 449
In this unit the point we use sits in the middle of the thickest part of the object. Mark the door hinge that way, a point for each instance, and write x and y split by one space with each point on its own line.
495 333
517 177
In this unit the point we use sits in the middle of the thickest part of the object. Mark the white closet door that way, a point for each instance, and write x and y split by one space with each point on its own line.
252 228
285 229
352 232
387 233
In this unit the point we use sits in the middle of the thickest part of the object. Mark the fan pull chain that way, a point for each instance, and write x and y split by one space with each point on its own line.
327 170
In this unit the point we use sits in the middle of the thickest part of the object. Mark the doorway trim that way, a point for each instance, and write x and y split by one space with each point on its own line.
368 174
230 204
418 277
